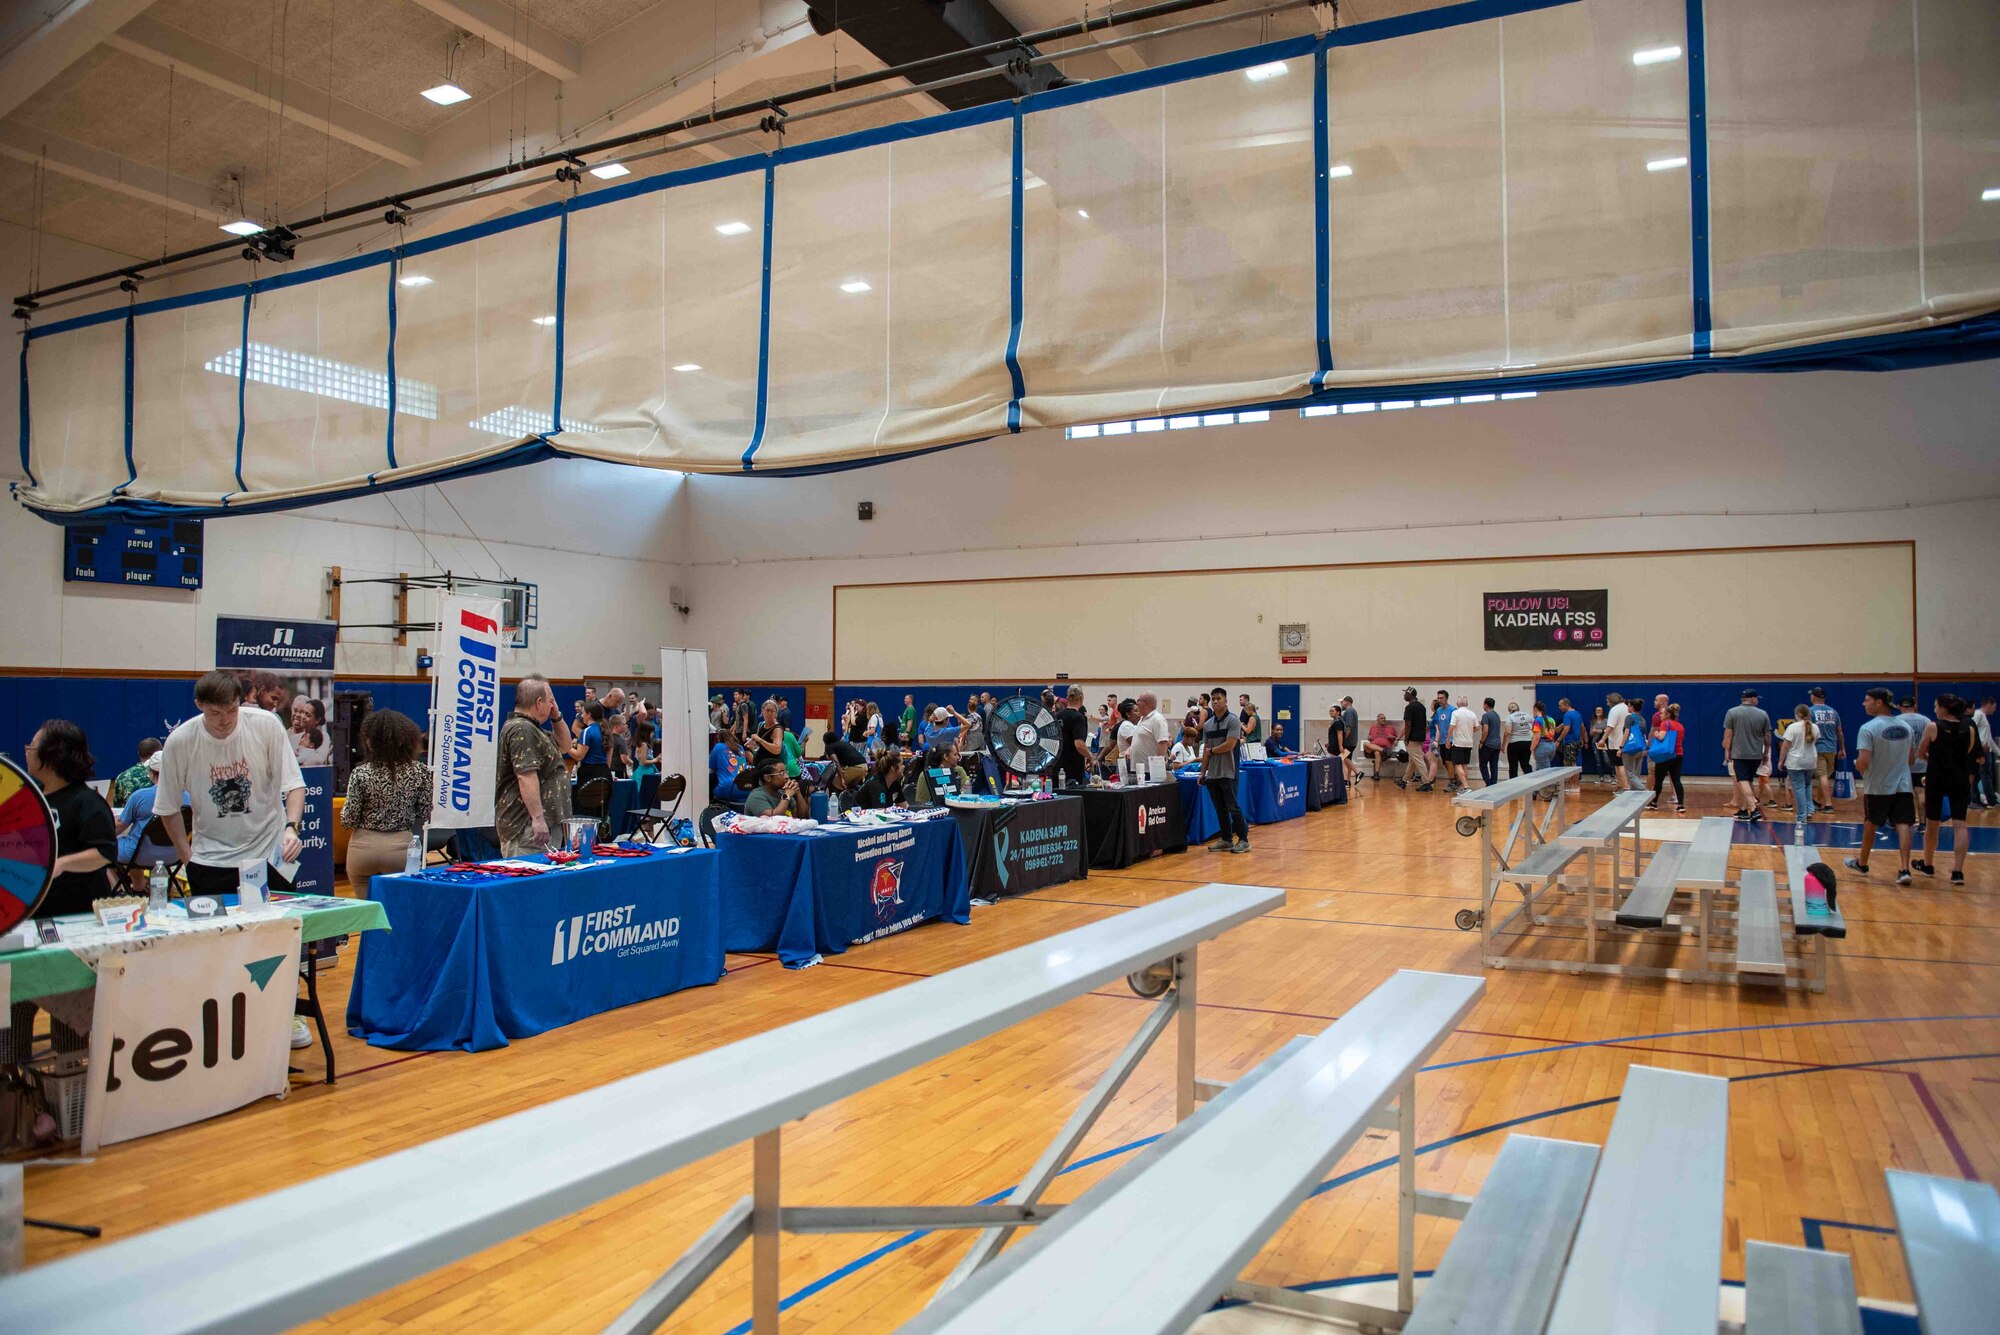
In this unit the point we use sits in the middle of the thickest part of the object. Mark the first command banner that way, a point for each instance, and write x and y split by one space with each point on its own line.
465 713
1547 619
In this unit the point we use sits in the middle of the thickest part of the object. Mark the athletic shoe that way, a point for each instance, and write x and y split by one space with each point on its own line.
1861 867
1399 782
1958 878
301 1035
1220 845
1924 867
1241 846
1426 787
1902 878
1744 816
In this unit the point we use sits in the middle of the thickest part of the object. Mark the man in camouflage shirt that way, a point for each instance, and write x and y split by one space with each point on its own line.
531 794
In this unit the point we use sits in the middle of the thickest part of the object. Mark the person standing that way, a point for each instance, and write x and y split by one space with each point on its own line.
1545 737
1746 745
1415 723
1520 740
60 763
1830 747
1149 735
1569 734
1918 725
244 782
1490 742
1222 737
1350 724
908 723
1798 753
1668 769
1595 761
530 792
1989 740
1882 750
1073 753
1617 718
388 798
1253 725
1461 739
1952 749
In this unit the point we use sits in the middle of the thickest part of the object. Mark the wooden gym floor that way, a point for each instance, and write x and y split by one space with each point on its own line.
1897 1065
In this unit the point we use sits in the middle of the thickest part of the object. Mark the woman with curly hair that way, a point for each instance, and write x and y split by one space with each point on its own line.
388 798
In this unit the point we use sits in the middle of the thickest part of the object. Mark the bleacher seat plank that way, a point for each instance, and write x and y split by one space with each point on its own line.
1653 897
1797 859
1760 948
1547 860
1648 1255
1706 866
1150 1250
1495 795
270 1263
1950 1231
1797 1291
1605 823
1500 1274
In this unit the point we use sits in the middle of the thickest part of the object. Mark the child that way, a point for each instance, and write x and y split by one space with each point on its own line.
1798 749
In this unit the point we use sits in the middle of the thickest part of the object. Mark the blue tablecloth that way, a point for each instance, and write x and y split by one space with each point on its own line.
808 895
1267 791
473 965
1326 782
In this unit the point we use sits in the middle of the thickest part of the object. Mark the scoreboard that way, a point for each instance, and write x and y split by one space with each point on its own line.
164 556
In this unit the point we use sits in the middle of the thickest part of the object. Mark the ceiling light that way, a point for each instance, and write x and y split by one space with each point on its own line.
1989 194
545 319
1666 164
1656 55
610 171
414 280
856 285
1340 169
732 228
688 366
1083 214
243 227
446 93
1277 69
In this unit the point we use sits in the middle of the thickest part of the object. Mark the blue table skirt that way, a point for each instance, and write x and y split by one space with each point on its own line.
1266 791
809 895
473 965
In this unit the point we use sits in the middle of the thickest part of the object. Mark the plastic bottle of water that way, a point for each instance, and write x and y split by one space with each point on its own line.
413 857
156 890
832 806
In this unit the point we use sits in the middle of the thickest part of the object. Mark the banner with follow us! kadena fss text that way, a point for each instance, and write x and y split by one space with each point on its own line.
466 713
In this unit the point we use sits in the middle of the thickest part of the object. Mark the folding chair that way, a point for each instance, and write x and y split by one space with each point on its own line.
154 848
653 819
592 798
706 824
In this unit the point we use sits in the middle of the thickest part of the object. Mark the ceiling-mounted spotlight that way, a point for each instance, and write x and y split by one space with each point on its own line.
275 243
397 215
243 227
129 283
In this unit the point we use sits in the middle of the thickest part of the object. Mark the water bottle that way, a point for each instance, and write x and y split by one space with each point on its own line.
832 807
156 890
413 856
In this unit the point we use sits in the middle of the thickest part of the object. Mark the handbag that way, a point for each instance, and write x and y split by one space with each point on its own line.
1663 748
1635 739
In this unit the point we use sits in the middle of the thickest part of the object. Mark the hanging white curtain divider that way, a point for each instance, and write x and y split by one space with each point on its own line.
1538 193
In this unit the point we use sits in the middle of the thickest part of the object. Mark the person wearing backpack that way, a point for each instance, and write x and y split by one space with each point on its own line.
1666 749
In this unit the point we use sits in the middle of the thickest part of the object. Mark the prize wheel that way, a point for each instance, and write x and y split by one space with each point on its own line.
27 845
1022 737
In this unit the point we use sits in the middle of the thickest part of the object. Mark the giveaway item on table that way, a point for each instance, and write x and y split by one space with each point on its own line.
121 913
734 823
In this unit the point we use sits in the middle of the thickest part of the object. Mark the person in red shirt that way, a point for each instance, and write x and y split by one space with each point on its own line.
1667 723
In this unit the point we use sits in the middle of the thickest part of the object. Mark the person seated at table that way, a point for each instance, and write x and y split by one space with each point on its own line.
388 799
725 758
1381 743
884 787
592 760
133 818
941 759
131 779
850 767
60 763
777 794
1187 750
1276 745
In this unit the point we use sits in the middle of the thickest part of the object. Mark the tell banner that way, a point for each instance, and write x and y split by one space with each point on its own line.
465 713
190 1025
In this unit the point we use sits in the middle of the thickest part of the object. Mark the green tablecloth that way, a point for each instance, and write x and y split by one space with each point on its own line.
51 969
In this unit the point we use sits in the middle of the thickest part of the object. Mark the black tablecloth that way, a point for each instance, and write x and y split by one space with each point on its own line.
1326 782
1012 849
1133 821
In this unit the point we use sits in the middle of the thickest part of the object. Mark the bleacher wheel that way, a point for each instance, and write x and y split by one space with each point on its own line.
1468 826
1151 981
1467 920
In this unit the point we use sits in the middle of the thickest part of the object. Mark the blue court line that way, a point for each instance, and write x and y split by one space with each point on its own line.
833 1277
1777 831
1704 1033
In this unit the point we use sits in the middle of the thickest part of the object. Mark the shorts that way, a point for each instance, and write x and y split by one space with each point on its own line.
1957 796
1746 770
1568 750
1458 755
1890 809
1828 762
1764 768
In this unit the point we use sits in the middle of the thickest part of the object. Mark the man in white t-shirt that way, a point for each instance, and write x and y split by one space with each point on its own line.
1146 736
1461 735
237 767
1617 718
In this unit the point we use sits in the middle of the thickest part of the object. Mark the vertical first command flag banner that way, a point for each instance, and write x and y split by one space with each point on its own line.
465 713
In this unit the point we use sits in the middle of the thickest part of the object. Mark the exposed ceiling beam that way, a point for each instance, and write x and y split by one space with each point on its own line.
519 36
81 162
44 38
261 86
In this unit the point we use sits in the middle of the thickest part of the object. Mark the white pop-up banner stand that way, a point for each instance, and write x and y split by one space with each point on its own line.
189 1025
465 712
684 721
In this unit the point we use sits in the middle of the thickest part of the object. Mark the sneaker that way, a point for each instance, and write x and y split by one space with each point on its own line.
302 1035
1852 865
1743 815
1425 787
1241 846
1220 845
1902 878
1399 782
1958 878
1924 867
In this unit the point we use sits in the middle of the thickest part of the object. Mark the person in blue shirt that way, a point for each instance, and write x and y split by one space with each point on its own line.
725 758
1831 746
1276 746
1882 751
1569 733
1440 737
138 810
